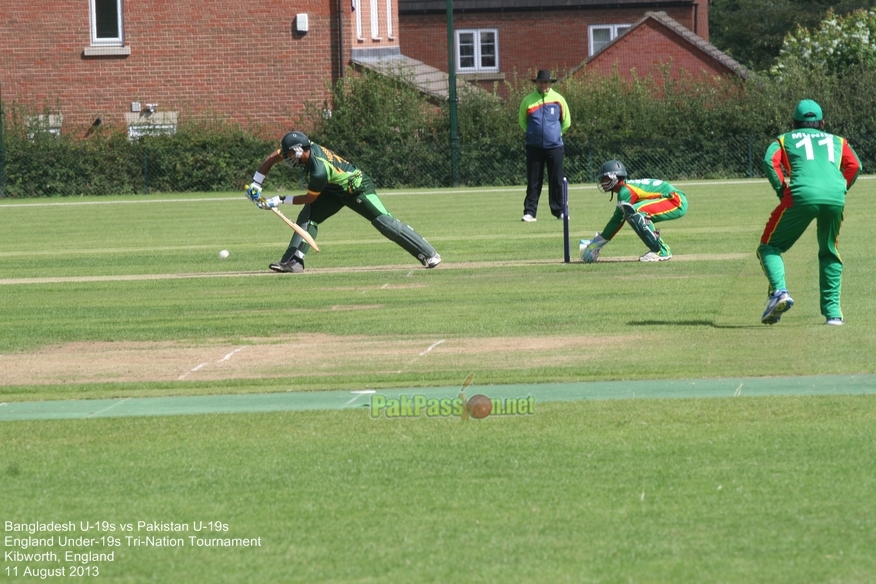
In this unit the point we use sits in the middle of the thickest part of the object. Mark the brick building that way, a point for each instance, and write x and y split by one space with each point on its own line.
147 62
656 41
496 40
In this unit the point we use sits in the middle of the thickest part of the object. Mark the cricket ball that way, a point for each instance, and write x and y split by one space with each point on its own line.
224 254
479 406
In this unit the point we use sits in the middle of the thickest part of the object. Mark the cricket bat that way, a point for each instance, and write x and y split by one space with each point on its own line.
298 229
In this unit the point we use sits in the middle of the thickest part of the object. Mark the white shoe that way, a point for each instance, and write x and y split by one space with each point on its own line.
779 303
529 218
433 261
655 257
835 321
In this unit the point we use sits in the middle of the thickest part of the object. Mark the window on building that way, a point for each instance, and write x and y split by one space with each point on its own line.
375 23
389 19
602 34
357 10
477 50
106 22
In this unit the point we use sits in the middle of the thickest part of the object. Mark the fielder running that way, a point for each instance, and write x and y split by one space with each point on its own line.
641 203
332 184
811 171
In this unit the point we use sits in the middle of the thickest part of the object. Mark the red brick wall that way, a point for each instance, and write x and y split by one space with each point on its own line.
242 61
238 60
647 48
528 41
367 41
702 19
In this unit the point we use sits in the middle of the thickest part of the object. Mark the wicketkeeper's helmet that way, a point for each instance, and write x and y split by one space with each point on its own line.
293 146
610 174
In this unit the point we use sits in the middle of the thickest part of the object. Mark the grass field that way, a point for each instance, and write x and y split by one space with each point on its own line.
127 297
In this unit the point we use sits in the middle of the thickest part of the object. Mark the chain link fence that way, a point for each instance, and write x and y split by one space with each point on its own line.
497 164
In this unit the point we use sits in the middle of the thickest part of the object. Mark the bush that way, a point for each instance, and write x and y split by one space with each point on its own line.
384 126
199 157
664 127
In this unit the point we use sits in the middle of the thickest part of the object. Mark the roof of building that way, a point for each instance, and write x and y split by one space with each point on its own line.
392 63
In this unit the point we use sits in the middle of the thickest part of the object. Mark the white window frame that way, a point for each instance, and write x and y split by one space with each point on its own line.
116 41
478 58
614 30
358 10
389 34
375 20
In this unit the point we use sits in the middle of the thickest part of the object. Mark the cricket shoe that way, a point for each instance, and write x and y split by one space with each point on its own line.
779 303
433 261
293 266
664 255
836 321
528 218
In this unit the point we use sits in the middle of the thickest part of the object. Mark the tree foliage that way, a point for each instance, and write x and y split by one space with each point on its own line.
835 47
753 31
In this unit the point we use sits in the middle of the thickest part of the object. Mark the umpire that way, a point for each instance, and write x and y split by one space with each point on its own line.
544 116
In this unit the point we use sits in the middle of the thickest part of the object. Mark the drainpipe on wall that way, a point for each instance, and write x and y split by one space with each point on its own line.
341 39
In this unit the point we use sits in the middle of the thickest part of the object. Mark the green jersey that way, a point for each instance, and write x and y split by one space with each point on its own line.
812 166
328 172
654 196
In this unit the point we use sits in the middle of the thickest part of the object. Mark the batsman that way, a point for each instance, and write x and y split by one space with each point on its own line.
640 203
332 184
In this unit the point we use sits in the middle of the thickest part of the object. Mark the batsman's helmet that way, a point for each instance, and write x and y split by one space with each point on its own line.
293 146
611 173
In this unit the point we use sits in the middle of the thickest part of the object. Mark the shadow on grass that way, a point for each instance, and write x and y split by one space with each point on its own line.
690 323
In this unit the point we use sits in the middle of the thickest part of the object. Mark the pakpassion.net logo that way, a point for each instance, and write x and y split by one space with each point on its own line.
477 406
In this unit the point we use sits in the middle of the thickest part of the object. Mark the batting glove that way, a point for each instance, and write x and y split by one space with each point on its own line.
271 203
254 192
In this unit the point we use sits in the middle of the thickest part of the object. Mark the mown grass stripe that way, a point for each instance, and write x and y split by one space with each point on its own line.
542 392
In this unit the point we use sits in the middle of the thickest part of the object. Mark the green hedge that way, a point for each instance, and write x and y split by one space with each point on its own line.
198 158
673 128
661 127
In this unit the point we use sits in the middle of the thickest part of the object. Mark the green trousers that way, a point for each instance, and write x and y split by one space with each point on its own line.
365 202
785 226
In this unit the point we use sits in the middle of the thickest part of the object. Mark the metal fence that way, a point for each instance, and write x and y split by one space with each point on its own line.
491 164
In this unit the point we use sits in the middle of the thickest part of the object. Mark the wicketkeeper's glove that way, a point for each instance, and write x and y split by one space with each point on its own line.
254 192
590 249
271 203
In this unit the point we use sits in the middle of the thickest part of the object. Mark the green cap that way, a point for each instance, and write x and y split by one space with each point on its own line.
808 111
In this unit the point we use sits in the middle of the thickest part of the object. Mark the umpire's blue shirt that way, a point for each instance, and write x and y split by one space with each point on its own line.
544 117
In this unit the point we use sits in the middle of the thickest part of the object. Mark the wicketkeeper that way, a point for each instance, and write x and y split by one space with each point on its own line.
640 203
332 184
